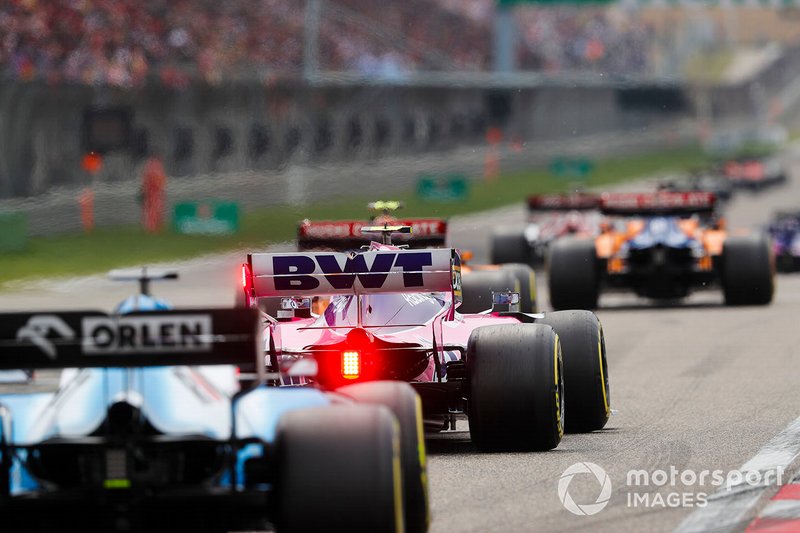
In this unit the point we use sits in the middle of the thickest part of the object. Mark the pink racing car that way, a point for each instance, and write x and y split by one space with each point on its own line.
520 379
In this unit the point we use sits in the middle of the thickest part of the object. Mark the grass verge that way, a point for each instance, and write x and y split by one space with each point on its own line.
107 248
709 67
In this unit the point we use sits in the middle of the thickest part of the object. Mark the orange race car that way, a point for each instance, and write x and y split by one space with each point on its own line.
661 245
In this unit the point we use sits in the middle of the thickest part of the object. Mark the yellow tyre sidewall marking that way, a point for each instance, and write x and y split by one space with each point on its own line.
422 458
602 373
397 474
556 354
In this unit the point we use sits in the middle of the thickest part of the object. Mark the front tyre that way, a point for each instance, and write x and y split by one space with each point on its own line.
516 387
586 383
478 286
527 285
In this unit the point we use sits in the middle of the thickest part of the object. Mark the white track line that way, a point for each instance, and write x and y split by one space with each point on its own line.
781 510
728 509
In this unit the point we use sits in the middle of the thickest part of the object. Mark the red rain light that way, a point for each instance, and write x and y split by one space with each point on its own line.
351 364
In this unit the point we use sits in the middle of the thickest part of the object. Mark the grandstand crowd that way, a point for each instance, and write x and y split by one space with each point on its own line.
126 42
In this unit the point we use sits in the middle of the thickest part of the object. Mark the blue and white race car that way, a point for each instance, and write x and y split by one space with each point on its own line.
149 431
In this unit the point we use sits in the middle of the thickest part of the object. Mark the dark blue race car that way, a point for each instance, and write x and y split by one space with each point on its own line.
785 232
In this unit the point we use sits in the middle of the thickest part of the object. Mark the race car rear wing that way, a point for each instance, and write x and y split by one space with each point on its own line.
151 338
370 272
339 235
563 202
658 203
144 275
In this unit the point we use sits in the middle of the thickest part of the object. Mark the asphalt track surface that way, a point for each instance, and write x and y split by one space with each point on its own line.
695 385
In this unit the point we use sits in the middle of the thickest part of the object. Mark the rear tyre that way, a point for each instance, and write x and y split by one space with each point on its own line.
406 406
527 285
747 270
337 469
509 245
586 381
478 285
516 387
572 274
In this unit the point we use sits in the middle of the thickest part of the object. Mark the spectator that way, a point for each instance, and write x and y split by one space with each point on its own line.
153 192
126 42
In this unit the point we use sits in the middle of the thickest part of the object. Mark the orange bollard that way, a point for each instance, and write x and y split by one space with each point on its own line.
86 203
92 162
775 110
491 164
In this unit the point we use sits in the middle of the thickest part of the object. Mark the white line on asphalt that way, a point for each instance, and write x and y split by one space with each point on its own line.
781 510
728 509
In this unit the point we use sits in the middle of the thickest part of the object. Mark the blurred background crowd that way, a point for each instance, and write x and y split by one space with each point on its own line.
249 85
124 42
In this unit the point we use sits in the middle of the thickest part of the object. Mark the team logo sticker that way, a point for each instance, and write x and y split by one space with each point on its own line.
144 334
41 330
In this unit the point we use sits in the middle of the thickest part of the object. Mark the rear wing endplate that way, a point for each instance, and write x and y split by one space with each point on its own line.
150 338
369 272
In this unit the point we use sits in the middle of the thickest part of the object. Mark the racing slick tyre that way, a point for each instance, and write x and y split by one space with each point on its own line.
478 285
572 274
747 270
509 245
527 285
406 406
585 369
337 468
516 387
